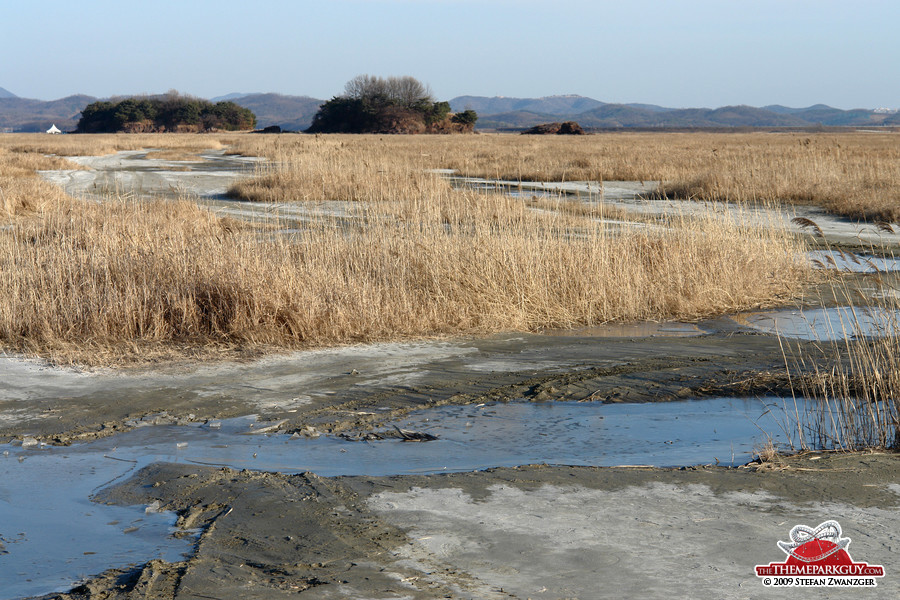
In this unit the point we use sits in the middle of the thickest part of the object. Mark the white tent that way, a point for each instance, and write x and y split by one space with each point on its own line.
53 129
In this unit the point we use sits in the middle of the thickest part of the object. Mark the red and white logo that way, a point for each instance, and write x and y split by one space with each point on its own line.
818 558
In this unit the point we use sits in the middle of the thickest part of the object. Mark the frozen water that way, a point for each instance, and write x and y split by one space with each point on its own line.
826 324
54 535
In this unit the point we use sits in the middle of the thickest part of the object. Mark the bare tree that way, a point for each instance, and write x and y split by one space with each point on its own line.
403 91
366 87
408 91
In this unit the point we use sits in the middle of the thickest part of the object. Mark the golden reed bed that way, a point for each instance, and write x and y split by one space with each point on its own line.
852 174
119 280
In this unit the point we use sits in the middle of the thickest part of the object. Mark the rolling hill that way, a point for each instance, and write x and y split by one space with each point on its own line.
551 105
521 113
24 114
28 115
295 113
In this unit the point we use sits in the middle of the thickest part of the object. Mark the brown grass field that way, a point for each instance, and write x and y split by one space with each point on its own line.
851 174
120 280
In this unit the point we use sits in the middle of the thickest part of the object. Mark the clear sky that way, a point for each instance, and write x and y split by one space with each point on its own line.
678 53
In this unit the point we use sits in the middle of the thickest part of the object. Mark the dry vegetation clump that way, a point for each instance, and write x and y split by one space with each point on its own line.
21 191
852 174
853 390
120 277
86 279
26 195
853 382
92 282
336 168
30 144
855 402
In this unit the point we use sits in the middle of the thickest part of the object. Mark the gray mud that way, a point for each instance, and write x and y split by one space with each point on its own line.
62 535
527 532
357 387
266 535
132 173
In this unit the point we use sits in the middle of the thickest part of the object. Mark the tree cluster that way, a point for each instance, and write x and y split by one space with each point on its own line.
168 113
373 104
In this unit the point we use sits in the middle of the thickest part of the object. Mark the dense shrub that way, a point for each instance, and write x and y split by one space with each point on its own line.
167 113
372 104
466 117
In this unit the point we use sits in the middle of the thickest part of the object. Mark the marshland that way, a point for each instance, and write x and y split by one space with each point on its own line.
342 285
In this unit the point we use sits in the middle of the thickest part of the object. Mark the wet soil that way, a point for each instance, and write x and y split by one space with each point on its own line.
362 387
267 535
526 532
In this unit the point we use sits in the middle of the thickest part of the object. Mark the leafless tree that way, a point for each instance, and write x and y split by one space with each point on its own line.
404 91
408 91
366 87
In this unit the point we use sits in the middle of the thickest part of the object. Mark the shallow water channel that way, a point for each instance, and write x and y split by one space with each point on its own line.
53 535
827 324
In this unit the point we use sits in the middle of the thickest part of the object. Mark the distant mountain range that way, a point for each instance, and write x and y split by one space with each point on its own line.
23 114
520 113
295 113
551 105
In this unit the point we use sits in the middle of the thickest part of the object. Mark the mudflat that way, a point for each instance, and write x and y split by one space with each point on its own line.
337 390
531 531
527 532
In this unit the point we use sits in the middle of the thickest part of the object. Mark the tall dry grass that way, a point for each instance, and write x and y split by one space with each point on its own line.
850 378
99 282
852 174
855 399
119 277
36 145
21 191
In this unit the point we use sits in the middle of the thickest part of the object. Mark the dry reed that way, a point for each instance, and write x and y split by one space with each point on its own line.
851 174
100 282
26 144
851 380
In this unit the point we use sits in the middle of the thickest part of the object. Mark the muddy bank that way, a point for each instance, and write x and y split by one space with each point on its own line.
134 173
359 387
527 532
264 535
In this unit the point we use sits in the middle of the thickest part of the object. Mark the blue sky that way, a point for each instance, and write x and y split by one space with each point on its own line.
678 53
